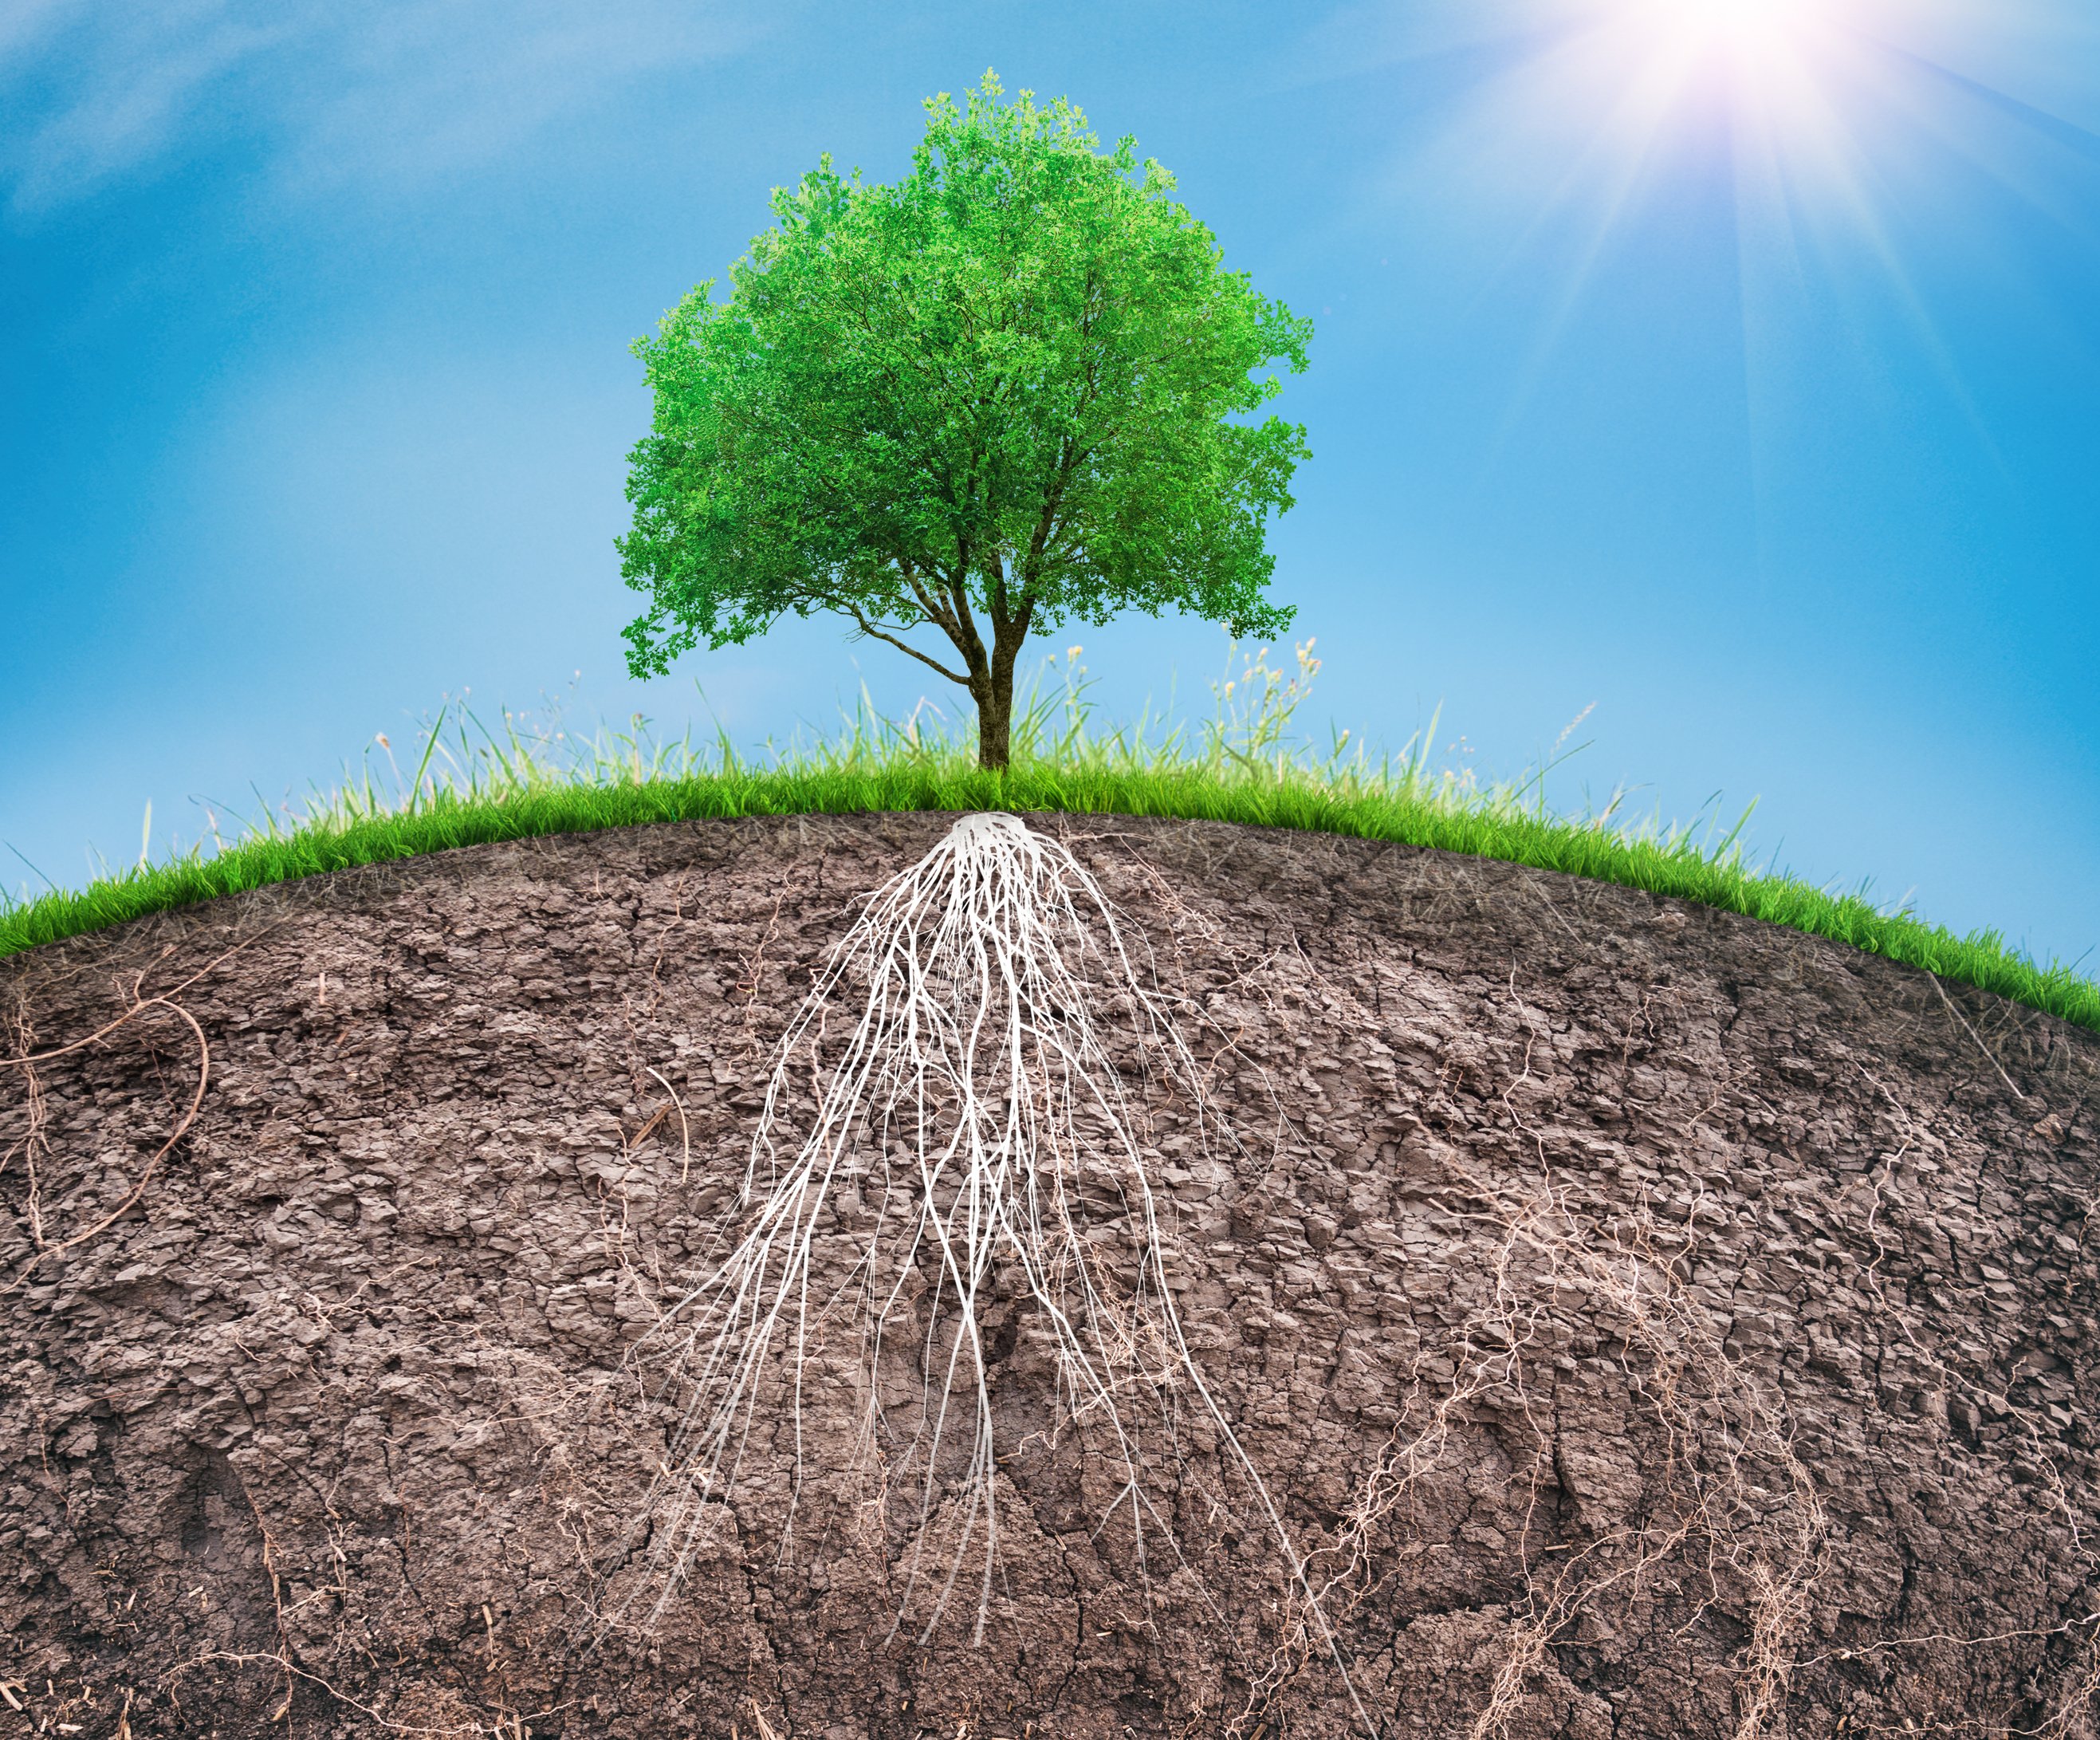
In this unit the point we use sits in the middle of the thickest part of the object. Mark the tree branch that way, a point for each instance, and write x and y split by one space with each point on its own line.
999 612
969 642
870 629
936 611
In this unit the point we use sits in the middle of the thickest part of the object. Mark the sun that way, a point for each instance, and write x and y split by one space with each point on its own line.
1743 39
1737 23
1648 74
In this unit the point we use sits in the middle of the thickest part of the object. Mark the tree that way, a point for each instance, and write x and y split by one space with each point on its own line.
994 396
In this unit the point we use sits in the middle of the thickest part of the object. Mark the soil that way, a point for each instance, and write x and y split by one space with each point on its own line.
1648 1321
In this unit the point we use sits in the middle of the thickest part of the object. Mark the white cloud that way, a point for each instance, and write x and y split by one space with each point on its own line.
407 88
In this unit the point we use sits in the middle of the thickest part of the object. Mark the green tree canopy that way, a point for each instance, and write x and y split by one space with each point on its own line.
997 396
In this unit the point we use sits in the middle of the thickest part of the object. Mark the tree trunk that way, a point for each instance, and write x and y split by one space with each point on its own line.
996 701
995 717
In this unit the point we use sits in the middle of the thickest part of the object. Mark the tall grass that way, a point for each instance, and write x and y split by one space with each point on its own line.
470 781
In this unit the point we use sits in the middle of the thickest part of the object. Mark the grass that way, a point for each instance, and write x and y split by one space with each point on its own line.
472 785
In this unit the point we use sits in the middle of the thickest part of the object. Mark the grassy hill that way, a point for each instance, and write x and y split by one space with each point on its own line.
473 784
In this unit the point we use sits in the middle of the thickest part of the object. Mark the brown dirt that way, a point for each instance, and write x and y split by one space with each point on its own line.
1652 1322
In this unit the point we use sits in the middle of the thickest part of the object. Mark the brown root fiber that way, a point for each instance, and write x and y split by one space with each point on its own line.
1647 1323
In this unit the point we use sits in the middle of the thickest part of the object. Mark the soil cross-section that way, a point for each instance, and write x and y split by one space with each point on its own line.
1647 1323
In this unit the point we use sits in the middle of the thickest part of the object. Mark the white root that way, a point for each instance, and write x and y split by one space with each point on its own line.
972 1150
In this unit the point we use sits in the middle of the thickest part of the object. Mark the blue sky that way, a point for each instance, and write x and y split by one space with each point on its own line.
1732 368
